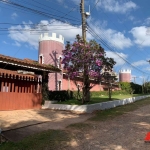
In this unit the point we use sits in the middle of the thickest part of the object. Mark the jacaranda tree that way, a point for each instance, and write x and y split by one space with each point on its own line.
88 61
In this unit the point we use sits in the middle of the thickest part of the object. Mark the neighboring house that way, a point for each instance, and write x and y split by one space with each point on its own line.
125 75
50 52
21 83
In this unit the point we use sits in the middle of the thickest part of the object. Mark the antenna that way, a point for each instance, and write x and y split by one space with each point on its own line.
87 14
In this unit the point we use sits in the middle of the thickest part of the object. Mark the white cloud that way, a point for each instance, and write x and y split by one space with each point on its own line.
5 42
116 6
30 35
118 39
16 44
23 35
131 17
147 21
141 35
147 68
119 60
14 16
4 1
74 1
140 63
113 37
60 1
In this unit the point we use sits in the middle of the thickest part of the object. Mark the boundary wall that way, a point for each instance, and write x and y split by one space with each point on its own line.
91 107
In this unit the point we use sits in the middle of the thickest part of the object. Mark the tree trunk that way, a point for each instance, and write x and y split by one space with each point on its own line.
86 90
86 95
109 90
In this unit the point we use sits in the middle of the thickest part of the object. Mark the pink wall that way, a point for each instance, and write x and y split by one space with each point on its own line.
51 51
65 85
124 77
50 48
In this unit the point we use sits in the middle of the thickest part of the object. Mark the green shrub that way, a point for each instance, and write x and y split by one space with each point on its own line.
105 93
99 93
60 95
77 96
68 95
122 92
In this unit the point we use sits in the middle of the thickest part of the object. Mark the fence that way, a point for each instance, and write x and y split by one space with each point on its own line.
18 91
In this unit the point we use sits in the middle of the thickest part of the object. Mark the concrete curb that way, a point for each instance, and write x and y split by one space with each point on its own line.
92 107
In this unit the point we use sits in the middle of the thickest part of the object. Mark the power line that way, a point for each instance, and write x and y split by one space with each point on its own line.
113 22
104 43
112 45
65 14
95 5
56 17
8 29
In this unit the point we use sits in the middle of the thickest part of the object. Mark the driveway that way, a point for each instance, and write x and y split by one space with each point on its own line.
27 122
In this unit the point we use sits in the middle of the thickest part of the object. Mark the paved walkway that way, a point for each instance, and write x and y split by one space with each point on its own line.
27 122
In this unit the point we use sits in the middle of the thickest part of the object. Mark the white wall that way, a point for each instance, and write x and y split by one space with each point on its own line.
92 107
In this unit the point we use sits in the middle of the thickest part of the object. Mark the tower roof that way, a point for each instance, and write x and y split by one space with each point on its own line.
45 37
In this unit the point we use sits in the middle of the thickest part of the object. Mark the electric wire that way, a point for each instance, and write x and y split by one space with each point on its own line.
95 5
114 23
49 30
56 17
110 48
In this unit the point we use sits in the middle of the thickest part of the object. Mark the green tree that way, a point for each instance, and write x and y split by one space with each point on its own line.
126 86
88 61
146 87
137 88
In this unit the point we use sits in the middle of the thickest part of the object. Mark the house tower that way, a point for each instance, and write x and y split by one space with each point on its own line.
50 52
125 75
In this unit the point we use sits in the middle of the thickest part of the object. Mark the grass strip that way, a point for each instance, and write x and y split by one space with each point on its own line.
114 112
50 139
104 115
98 99
59 139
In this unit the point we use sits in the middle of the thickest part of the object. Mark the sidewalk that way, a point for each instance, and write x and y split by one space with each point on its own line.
18 124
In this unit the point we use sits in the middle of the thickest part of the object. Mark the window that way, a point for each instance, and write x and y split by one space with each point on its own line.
59 85
59 60
41 60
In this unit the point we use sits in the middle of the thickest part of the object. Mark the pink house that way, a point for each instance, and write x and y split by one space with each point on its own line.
50 52
125 75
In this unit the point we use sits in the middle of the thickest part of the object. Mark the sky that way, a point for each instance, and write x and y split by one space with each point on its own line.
121 27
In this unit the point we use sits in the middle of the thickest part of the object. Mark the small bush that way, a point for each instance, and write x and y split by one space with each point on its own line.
77 95
122 92
105 93
60 95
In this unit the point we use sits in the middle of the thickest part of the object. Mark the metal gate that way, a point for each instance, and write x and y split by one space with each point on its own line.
18 91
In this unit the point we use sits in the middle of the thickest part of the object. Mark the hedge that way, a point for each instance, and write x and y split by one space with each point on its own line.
66 95
60 95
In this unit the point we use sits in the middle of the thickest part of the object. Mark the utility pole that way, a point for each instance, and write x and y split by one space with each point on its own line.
134 79
86 83
143 86
83 20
